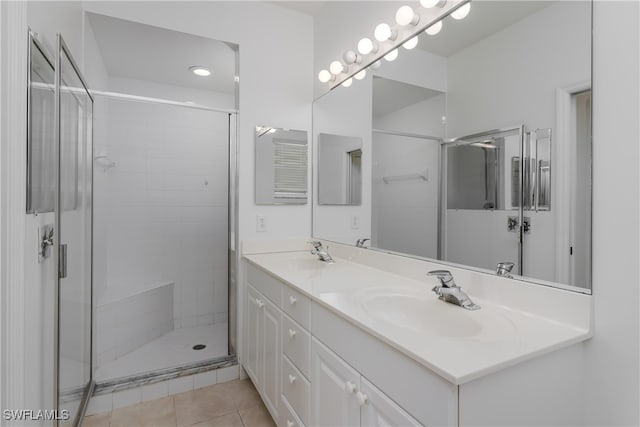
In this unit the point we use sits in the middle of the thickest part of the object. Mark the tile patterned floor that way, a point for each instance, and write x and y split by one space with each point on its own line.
231 404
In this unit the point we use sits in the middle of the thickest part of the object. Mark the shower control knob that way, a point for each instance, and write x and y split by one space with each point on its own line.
259 303
292 333
290 423
292 379
292 300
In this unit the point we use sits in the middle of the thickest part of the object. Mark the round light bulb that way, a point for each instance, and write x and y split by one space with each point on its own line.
365 46
405 16
429 3
434 29
376 65
336 67
382 32
461 12
391 56
360 75
350 57
324 76
411 43
347 82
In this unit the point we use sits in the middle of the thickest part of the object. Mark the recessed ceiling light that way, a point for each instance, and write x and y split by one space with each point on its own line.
199 71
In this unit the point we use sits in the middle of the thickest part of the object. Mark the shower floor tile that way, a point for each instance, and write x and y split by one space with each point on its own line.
171 349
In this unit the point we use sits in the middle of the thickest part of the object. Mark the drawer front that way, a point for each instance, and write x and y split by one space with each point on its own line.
296 344
296 388
268 285
296 305
288 417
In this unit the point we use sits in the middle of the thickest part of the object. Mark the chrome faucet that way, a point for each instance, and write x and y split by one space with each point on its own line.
449 292
360 242
322 253
504 269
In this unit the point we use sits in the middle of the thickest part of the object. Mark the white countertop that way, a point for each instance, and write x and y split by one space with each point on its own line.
458 344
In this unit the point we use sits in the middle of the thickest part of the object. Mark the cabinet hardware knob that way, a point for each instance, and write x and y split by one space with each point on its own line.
259 303
362 398
292 378
351 387
292 333
292 300
290 423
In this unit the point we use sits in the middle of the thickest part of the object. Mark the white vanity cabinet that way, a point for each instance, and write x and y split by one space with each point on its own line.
262 361
302 381
342 397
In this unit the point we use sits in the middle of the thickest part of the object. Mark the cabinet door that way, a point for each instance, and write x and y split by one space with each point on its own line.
271 355
380 411
253 333
334 388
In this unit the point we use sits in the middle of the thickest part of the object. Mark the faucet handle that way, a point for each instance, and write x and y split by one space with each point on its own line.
360 242
316 243
504 268
445 277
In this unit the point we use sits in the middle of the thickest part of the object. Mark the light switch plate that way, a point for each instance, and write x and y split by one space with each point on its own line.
355 222
261 223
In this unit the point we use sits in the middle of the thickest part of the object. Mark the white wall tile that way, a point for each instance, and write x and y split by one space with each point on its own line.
229 373
127 397
204 379
100 404
155 391
178 385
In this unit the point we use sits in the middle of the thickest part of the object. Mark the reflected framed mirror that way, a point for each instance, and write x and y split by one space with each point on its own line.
339 170
281 166
477 148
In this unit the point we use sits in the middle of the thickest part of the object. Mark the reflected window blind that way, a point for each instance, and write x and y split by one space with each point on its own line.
290 162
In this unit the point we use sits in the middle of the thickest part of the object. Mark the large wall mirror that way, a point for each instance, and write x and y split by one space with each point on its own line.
476 145
281 166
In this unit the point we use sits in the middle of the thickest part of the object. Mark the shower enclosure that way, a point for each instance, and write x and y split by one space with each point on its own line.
161 238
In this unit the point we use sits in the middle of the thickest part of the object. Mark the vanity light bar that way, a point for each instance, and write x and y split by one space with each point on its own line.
409 23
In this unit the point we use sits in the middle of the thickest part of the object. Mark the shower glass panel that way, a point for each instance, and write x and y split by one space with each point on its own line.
161 237
482 199
73 227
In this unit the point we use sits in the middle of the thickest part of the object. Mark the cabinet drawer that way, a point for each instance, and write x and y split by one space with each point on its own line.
268 285
288 417
296 305
296 388
296 344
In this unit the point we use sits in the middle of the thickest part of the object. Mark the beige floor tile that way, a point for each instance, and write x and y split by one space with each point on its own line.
99 420
258 416
242 392
202 404
154 413
230 420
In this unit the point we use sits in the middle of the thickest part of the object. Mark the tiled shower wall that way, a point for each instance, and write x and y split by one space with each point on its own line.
161 212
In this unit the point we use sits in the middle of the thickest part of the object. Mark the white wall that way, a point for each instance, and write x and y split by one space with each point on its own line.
493 96
612 359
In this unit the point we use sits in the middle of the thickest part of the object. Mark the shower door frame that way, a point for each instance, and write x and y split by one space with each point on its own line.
232 236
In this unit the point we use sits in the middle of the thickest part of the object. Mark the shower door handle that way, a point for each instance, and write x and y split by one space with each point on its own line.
62 261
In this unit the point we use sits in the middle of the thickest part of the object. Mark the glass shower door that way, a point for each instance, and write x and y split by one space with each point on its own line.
73 212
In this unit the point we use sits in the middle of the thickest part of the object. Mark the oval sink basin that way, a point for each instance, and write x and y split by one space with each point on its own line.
419 311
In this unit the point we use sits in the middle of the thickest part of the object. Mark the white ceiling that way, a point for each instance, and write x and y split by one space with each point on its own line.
308 7
143 52
390 95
